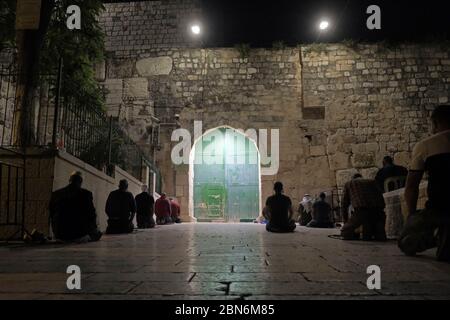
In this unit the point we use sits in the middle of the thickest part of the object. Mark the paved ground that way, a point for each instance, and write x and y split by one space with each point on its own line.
220 261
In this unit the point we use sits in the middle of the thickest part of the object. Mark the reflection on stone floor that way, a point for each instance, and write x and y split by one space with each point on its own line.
221 261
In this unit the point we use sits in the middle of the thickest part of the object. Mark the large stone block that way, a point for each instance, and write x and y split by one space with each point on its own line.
180 191
339 161
337 143
314 174
316 151
344 176
365 147
154 66
136 88
121 68
114 91
100 71
363 160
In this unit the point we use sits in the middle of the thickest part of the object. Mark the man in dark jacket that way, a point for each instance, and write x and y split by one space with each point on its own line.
144 205
321 214
121 209
390 170
72 213
280 207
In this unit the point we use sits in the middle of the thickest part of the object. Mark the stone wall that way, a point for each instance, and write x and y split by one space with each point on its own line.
94 180
339 109
377 100
135 27
46 172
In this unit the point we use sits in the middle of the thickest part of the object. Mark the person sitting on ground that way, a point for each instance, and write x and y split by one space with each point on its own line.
144 209
72 213
305 210
321 214
175 210
121 209
389 170
368 210
430 227
163 210
280 208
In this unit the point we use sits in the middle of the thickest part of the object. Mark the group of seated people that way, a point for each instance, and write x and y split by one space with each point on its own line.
74 219
423 230
315 214
73 214
360 195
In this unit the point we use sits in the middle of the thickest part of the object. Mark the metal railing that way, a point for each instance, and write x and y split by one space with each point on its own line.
60 123
12 194
40 117
8 81
98 140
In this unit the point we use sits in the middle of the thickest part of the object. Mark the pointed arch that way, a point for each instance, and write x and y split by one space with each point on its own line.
243 198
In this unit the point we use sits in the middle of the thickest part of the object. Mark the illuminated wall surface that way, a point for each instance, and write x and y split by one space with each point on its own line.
226 177
340 108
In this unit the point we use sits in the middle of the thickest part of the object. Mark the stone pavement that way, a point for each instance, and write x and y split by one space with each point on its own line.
220 261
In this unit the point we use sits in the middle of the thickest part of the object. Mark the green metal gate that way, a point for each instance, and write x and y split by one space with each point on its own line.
226 177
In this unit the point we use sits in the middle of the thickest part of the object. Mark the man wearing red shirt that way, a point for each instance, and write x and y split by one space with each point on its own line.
175 208
163 210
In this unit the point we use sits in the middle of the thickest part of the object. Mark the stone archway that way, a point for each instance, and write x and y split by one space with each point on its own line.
224 177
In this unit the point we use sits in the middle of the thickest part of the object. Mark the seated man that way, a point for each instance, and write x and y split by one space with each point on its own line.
321 214
389 170
368 210
72 213
121 209
305 210
163 210
175 210
430 228
144 209
280 208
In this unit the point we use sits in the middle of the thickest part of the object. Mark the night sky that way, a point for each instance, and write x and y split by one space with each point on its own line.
260 23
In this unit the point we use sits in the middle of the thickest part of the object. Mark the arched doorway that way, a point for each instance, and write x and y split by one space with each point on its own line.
225 180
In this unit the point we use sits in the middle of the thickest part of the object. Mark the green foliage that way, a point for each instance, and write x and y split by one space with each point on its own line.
243 49
278 45
97 153
351 44
387 46
79 49
315 47
7 23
